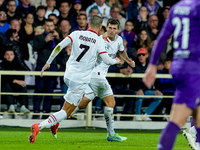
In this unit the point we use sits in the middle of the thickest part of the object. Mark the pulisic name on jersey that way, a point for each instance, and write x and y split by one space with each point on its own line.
87 39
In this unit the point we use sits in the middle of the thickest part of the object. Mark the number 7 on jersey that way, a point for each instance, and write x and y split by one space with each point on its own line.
85 49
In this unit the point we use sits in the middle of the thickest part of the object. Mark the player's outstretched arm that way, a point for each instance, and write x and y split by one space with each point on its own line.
46 66
109 61
125 57
150 75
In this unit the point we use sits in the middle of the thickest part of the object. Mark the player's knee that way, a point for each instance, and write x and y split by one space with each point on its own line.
110 103
179 122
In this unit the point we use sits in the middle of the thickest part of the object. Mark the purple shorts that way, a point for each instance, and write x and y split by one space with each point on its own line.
187 89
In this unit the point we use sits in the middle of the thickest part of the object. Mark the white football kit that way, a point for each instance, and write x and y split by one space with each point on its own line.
86 46
99 85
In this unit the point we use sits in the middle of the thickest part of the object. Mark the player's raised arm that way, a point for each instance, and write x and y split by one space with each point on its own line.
67 41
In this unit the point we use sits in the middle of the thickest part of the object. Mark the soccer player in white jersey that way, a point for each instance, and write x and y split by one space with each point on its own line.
86 46
99 85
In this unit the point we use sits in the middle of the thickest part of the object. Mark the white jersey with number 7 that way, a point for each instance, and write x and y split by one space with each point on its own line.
86 45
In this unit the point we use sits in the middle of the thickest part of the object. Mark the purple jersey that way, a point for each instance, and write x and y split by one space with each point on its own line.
184 24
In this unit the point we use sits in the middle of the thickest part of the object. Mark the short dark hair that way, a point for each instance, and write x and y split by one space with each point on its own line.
9 33
167 59
52 15
11 1
48 20
113 22
65 1
129 21
41 7
9 48
81 14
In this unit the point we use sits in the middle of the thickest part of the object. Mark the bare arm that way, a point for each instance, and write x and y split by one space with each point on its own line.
125 57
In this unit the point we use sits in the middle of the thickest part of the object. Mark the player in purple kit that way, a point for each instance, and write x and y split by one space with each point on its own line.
183 23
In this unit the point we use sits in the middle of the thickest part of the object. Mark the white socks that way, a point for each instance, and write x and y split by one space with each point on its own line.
75 110
53 119
108 114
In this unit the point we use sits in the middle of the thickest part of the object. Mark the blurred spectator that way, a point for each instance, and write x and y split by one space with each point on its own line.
143 41
65 28
153 7
27 30
4 26
128 33
62 58
39 18
119 4
152 28
38 30
32 57
12 12
104 10
19 46
13 83
25 7
166 86
93 11
55 21
140 67
44 45
133 8
51 8
15 24
165 15
115 13
141 22
77 7
82 22
65 7
102 30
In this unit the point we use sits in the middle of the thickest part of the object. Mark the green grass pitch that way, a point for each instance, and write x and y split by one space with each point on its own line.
84 139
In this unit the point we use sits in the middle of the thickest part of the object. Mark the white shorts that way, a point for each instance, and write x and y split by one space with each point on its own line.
98 87
75 92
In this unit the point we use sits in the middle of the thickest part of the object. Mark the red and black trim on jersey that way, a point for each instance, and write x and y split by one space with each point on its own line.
92 31
121 50
70 38
102 52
